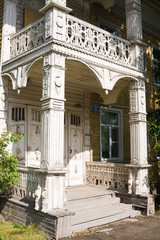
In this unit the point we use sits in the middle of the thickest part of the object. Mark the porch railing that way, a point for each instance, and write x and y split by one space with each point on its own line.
111 175
29 37
29 188
89 37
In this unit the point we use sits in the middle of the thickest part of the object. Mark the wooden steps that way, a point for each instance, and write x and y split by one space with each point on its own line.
96 206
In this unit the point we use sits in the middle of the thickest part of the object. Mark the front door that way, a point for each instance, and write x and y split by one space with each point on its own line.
73 137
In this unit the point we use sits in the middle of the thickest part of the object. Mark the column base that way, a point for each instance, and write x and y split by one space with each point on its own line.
138 182
52 194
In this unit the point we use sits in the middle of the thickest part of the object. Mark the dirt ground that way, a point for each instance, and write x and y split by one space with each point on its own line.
140 228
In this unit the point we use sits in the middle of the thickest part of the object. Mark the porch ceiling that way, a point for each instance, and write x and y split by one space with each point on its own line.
35 76
79 80
80 77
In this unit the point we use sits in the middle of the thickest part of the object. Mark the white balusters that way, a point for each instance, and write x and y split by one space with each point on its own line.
29 37
107 174
94 39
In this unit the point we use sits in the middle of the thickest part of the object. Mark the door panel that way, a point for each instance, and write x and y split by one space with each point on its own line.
74 147
17 124
34 136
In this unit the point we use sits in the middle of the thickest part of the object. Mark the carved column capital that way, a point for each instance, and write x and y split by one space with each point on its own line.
133 5
55 18
54 104
138 98
53 76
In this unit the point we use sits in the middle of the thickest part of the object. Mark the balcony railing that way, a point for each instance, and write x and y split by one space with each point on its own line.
111 175
28 38
78 34
93 39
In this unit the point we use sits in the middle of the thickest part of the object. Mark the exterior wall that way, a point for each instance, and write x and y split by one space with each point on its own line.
122 103
31 93
95 128
80 9
152 41
35 5
95 136
98 13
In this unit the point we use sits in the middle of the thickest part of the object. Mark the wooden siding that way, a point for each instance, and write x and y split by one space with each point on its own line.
79 79
30 16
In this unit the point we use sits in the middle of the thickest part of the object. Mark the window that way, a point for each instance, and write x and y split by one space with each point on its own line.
107 26
75 120
110 134
18 114
156 65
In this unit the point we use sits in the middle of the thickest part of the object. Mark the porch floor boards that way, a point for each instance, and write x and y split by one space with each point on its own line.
94 206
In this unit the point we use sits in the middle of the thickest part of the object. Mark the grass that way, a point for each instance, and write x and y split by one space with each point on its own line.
16 231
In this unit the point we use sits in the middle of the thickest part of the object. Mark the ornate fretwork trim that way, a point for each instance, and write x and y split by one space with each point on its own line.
55 104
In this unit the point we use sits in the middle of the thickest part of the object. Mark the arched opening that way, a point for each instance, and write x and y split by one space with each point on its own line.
82 89
24 116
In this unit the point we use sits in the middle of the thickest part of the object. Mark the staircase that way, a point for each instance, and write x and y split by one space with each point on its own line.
94 206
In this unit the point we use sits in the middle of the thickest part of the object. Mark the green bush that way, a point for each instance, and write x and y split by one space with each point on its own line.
9 174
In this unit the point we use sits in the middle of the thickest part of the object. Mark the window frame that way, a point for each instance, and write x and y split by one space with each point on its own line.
156 47
120 126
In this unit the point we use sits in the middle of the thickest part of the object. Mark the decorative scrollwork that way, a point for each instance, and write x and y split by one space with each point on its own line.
28 38
91 38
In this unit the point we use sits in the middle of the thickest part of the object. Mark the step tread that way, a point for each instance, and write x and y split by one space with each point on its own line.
102 221
93 203
98 213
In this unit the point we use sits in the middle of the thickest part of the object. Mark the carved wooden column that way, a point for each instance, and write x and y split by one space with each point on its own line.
53 195
9 27
134 31
53 130
134 20
3 103
138 182
53 111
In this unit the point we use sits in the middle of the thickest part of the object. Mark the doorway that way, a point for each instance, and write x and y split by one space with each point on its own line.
73 148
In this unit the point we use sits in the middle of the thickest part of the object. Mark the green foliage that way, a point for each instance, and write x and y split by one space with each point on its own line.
154 123
18 225
16 231
9 174
8 214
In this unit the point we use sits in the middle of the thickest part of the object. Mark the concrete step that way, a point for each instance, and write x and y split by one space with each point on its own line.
100 216
92 202
98 212
96 206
